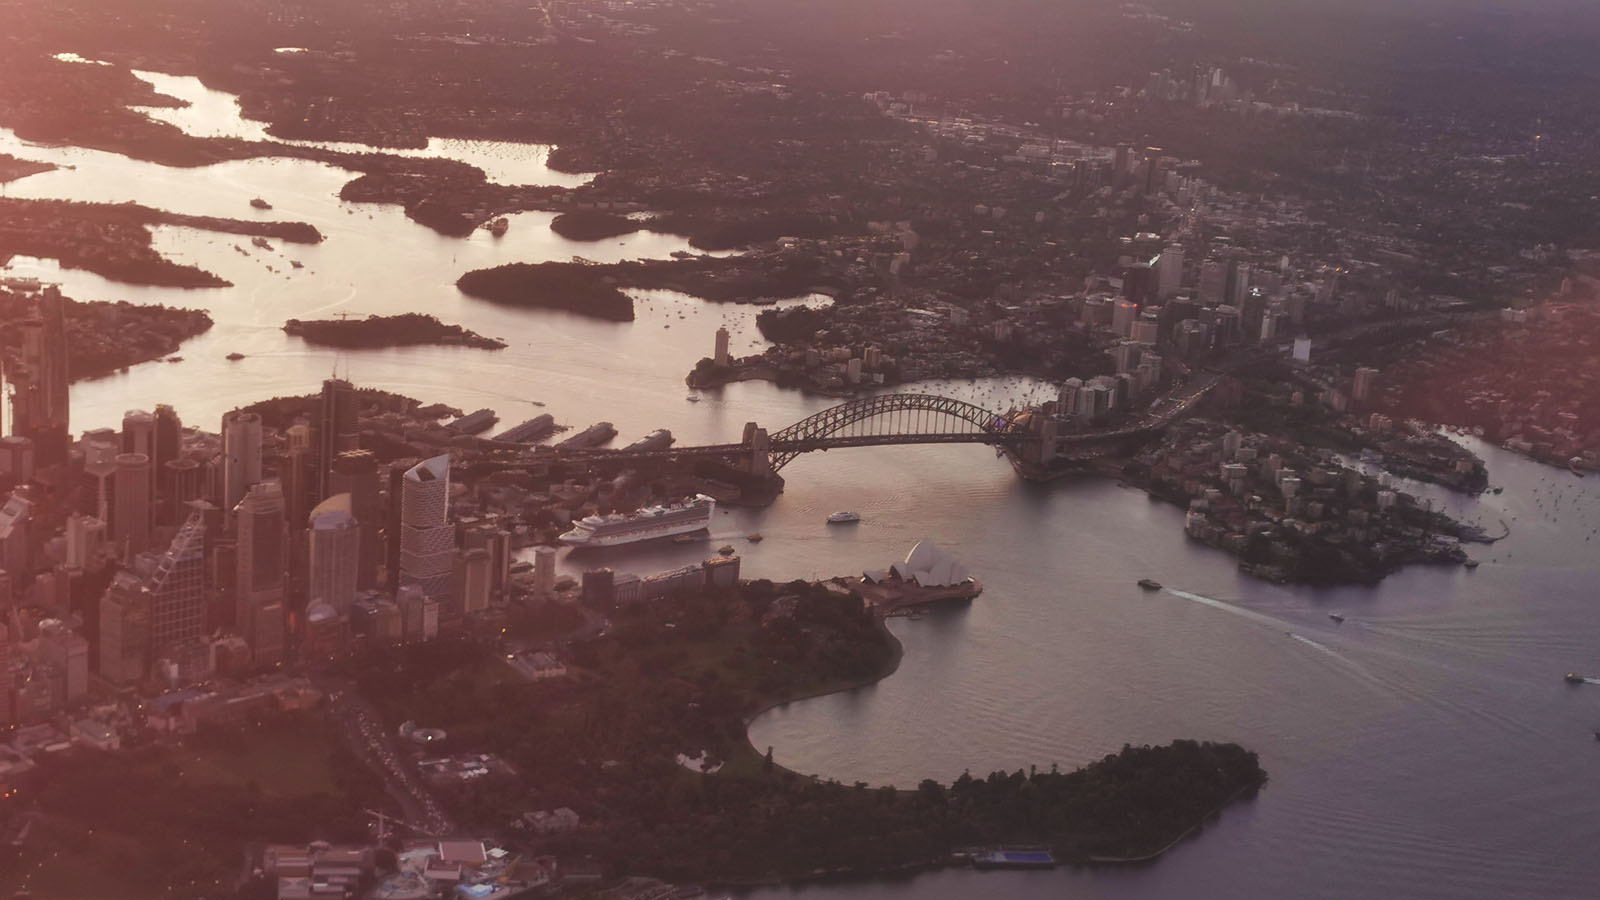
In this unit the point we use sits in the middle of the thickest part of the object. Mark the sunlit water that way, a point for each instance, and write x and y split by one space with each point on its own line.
1425 748
216 114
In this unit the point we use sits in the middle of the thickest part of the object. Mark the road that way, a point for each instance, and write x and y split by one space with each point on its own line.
363 730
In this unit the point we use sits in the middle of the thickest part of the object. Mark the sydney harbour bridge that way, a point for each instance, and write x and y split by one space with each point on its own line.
1036 444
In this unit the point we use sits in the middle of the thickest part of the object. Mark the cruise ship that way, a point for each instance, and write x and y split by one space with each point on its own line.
693 514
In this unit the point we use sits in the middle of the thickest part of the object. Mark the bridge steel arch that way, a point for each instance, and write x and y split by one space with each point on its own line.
922 418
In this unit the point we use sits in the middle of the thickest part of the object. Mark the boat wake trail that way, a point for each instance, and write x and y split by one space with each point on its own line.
1281 625
1229 607
1398 683
1322 647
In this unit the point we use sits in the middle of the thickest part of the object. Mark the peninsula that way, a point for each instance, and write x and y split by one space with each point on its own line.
404 330
596 290
12 168
590 225
108 337
114 239
679 678
552 285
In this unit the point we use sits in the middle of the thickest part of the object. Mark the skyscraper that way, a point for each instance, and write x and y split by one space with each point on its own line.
419 615
300 476
1239 284
1138 281
497 542
355 472
473 578
241 455
39 403
16 458
178 588
1169 271
427 540
258 589
1213 282
139 433
131 516
67 651
391 526
335 550
169 436
1252 312
336 430
99 477
14 553
84 536
124 630
544 572
183 481
1123 317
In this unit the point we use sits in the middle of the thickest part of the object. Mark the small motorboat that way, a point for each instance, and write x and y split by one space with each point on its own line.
234 356
843 517
725 550
1573 678
1336 617
693 398
1150 584
1471 564
686 538
754 537
259 203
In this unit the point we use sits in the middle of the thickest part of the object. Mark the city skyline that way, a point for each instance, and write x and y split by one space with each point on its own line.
638 450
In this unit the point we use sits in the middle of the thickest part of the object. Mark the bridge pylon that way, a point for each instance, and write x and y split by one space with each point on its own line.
758 459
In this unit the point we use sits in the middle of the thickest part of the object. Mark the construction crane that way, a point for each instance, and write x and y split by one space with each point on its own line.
383 824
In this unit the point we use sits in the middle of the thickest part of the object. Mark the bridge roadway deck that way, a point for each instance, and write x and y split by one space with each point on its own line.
1162 413
776 447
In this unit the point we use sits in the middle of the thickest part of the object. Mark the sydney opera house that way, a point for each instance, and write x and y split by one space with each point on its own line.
927 565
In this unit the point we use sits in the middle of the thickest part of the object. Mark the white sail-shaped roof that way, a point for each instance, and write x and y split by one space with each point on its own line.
930 566
923 555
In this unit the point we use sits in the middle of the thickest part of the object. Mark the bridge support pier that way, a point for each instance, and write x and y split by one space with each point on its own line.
1042 452
757 459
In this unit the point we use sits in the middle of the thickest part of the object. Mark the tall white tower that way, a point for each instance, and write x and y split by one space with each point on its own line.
427 539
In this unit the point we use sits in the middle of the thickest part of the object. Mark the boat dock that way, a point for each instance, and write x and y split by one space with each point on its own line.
535 429
474 422
1029 858
590 437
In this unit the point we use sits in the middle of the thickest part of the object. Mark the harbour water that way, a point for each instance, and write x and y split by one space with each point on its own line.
1426 747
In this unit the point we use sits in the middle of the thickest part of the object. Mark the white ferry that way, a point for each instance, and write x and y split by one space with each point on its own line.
693 514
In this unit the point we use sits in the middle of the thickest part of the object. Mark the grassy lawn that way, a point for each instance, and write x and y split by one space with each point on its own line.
282 761
174 821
